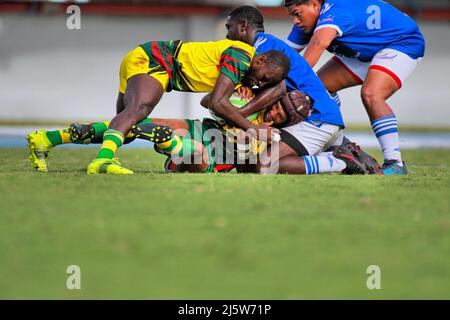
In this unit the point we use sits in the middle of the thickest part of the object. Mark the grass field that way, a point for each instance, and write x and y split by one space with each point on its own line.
230 236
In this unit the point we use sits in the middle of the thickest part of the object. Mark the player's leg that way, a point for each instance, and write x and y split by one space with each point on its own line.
147 129
120 104
197 161
167 134
185 149
301 151
269 163
86 133
135 62
389 69
41 142
142 94
93 132
336 76
142 83
310 165
195 154
340 160
377 88
296 141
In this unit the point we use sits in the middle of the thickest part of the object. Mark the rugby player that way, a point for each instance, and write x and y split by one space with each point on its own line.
374 45
215 154
205 141
193 139
215 142
301 144
161 66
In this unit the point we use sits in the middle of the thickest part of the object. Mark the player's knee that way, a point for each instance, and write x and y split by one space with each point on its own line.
138 112
370 96
144 109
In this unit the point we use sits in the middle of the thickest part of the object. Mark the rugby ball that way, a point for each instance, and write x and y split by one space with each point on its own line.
238 102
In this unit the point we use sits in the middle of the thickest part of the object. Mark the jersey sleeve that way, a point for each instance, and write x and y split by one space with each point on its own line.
337 18
297 39
235 63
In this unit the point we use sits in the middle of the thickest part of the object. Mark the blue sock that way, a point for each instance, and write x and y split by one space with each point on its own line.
386 131
336 98
323 163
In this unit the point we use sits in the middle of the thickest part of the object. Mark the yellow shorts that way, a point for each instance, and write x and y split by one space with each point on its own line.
138 62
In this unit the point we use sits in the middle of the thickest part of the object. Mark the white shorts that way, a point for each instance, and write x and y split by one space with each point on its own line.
393 62
315 137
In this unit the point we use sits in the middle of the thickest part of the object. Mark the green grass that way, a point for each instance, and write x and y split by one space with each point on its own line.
188 236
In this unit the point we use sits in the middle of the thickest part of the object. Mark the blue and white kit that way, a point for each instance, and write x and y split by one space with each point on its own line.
324 126
370 34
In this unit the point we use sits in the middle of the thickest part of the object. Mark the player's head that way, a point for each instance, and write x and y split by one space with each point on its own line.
304 12
276 114
291 109
242 22
268 69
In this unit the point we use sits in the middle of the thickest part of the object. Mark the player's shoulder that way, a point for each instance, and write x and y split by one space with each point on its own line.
226 43
332 6
269 41
269 38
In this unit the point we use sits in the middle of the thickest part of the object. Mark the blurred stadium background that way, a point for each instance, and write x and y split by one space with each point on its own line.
50 74
160 236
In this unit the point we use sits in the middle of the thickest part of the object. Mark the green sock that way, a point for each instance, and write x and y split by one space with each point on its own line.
57 137
99 130
177 145
101 127
146 120
112 139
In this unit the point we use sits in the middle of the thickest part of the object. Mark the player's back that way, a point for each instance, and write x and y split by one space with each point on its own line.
303 78
377 13
371 25
200 61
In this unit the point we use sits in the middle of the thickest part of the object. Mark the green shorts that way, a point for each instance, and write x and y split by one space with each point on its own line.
196 130
200 131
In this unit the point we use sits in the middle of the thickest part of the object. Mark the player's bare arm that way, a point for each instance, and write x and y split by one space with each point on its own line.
320 41
221 105
257 102
264 99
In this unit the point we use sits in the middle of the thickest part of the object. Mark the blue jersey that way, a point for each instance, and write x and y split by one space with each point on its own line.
364 27
302 77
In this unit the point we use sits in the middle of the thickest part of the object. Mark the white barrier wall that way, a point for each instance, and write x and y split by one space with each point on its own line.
48 72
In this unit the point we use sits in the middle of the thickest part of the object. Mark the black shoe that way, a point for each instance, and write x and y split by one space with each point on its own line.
354 166
81 132
152 132
372 165
345 140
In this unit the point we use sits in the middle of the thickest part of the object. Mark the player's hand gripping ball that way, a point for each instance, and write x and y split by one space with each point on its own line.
237 101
